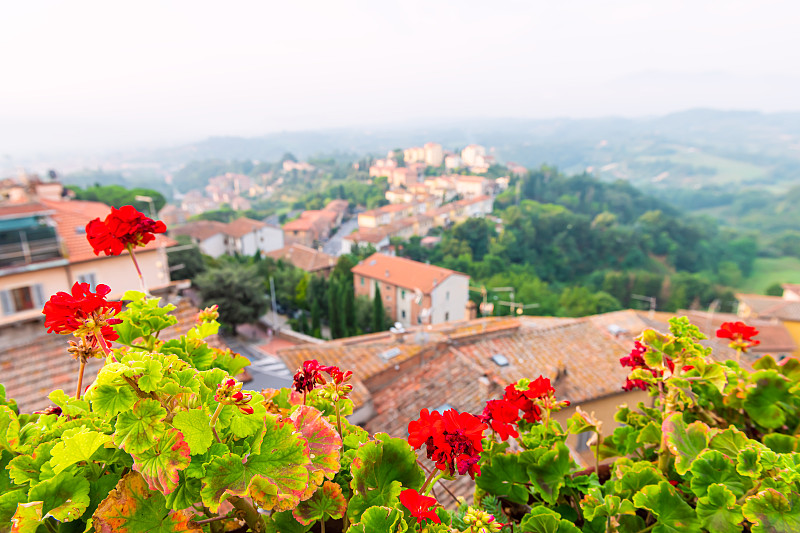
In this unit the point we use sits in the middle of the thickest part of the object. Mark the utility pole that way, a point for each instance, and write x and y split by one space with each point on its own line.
650 299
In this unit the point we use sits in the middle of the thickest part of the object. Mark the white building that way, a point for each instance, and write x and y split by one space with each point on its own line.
471 153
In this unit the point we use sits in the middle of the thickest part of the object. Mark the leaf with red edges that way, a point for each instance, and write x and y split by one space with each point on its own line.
131 508
28 518
327 502
160 464
324 444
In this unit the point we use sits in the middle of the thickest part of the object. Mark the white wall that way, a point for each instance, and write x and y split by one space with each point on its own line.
214 245
449 299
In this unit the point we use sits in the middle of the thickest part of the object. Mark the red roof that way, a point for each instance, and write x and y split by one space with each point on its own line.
15 210
303 257
403 272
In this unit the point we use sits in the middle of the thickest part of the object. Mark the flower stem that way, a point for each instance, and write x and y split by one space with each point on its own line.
597 455
213 421
249 513
322 525
338 419
433 477
98 334
80 378
138 270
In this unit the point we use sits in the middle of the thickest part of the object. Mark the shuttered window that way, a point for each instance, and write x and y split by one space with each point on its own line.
22 299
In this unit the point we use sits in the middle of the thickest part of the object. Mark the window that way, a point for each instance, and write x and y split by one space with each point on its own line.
403 314
447 296
362 281
388 287
88 278
447 316
419 319
403 294
21 299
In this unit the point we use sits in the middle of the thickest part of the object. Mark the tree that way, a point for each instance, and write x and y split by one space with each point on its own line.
237 290
190 260
339 315
774 290
316 326
333 309
378 311
350 309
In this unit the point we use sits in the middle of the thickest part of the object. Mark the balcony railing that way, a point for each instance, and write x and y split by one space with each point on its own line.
28 247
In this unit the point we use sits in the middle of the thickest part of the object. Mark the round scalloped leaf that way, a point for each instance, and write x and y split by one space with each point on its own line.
763 402
285 522
685 442
780 443
65 497
27 518
674 515
8 503
79 447
28 468
132 508
194 424
380 470
275 475
718 511
730 442
770 511
594 505
160 464
9 429
109 401
243 425
505 477
324 443
749 463
548 470
70 406
380 519
712 467
327 502
542 520
634 477
138 430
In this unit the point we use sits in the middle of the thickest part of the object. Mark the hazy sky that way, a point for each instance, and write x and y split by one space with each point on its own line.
80 75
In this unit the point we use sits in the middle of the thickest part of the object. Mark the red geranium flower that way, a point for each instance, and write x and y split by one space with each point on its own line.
452 440
501 415
82 311
421 507
634 360
309 376
740 334
122 228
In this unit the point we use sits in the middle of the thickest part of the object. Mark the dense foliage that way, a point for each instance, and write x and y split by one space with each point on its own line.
118 196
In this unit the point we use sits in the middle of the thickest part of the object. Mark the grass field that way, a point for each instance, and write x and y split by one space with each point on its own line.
767 271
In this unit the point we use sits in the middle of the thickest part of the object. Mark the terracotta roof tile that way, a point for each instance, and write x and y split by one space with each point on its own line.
242 226
9 210
199 229
775 338
771 306
403 272
304 258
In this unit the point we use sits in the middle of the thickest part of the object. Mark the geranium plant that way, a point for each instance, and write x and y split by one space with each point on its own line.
166 439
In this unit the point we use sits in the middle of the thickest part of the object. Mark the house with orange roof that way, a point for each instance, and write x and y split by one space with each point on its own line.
311 227
472 186
305 258
413 292
378 238
244 236
43 250
783 309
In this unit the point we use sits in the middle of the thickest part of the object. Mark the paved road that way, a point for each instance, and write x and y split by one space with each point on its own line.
268 371
334 244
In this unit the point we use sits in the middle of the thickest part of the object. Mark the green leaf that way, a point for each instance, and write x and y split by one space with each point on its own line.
194 424
772 512
65 497
160 464
243 425
650 434
132 508
749 463
108 401
185 495
9 429
505 477
781 443
712 467
27 518
548 469
78 447
99 489
674 514
631 478
595 505
380 470
685 442
149 373
379 518
275 475
730 442
766 402
718 511
324 444
128 332
285 522
29 468
542 520
327 502
5 478
8 504
138 429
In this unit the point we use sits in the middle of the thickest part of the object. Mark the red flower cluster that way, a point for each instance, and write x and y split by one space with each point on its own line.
503 414
229 392
452 440
82 312
308 377
421 507
122 228
740 334
636 360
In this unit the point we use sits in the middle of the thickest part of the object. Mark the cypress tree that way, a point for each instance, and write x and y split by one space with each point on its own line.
377 310
316 327
333 322
350 309
340 315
